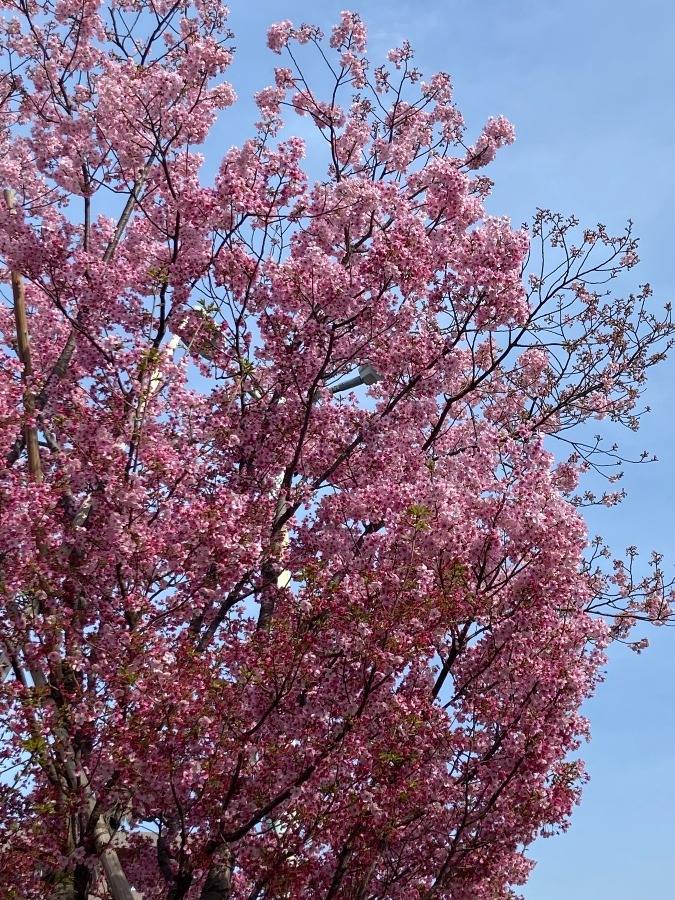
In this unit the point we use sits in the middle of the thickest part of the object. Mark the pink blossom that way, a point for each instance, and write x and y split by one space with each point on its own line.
496 133
350 33
278 35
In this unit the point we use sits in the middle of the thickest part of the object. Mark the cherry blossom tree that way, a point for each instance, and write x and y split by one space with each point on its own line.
296 601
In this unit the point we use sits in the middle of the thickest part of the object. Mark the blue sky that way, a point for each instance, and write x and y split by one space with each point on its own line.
589 88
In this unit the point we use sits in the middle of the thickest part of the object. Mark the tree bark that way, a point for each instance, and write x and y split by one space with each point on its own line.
218 883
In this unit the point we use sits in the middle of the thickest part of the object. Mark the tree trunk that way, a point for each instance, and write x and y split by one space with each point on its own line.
218 883
118 885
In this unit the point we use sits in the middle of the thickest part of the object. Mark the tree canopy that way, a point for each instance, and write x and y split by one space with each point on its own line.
296 600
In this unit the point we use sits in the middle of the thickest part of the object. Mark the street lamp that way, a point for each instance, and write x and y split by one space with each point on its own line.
367 375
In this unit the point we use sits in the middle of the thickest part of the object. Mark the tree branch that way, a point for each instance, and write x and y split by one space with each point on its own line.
23 344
